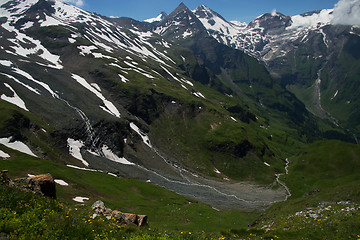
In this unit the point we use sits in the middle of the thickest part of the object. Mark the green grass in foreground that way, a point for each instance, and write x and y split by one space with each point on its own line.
166 210
308 214
24 215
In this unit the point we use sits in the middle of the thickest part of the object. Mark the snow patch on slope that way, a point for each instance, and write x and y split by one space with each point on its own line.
109 106
324 17
80 199
4 155
61 182
20 44
29 77
21 83
6 63
16 100
144 137
16 145
113 157
75 149
80 168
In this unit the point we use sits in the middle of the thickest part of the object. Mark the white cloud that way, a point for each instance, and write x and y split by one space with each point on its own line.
78 3
347 12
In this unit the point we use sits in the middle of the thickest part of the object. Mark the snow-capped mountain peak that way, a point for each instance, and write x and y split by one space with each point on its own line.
159 18
312 19
238 23
216 25
204 12
180 24
269 29
271 21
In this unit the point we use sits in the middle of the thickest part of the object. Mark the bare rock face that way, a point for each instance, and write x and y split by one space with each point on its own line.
43 184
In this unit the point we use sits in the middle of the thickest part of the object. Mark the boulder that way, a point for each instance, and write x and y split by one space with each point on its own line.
129 218
126 218
98 207
108 211
43 184
118 216
142 220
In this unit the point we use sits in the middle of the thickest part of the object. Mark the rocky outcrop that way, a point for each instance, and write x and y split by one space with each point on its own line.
127 218
43 184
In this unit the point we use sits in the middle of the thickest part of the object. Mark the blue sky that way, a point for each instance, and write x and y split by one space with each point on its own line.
241 10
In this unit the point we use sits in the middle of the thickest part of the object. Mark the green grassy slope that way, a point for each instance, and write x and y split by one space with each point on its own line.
127 195
165 209
323 179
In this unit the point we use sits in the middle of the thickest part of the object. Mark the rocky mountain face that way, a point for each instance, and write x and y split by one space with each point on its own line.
180 24
162 102
301 51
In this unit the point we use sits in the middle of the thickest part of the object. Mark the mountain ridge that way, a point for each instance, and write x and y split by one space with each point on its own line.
276 40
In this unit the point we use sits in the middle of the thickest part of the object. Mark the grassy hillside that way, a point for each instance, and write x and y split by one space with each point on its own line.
323 180
324 204
165 209
24 215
